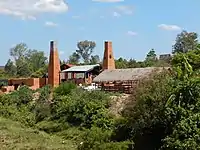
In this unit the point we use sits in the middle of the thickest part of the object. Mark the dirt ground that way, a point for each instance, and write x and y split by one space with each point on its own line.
118 103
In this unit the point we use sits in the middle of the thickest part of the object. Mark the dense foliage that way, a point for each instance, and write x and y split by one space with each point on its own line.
163 112
70 112
26 62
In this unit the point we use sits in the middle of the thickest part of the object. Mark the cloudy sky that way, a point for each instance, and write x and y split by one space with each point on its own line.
134 26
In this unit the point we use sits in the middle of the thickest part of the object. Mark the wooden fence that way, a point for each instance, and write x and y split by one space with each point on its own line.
119 86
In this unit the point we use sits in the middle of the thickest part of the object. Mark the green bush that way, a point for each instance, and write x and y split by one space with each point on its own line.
145 114
22 115
82 108
64 88
23 95
125 145
99 139
17 106
51 126
72 133
183 110
42 106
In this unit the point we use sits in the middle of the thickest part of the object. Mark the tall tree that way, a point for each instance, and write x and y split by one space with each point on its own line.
151 55
23 67
74 58
94 59
132 63
151 58
193 57
185 41
10 68
37 60
121 63
85 49
26 61
18 51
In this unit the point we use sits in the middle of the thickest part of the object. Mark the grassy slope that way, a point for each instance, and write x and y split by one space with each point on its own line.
14 136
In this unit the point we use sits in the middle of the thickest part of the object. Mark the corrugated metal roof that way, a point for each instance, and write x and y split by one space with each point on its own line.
82 68
125 74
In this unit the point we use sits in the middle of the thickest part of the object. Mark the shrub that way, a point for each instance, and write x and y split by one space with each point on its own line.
16 106
99 139
51 126
64 88
42 106
22 115
84 108
72 133
23 95
183 110
145 114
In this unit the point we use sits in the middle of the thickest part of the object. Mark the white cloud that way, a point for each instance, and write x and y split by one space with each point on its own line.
169 27
29 9
116 14
51 24
132 33
108 1
125 9
122 10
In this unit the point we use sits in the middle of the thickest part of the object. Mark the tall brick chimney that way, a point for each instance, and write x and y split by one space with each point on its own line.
108 59
54 66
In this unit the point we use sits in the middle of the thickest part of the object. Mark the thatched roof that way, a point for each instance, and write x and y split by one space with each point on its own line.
126 74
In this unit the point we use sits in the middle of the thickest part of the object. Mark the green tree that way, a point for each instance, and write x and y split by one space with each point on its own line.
193 57
74 58
85 49
94 59
121 63
151 58
185 41
23 67
145 121
26 62
10 68
132 63
3 75
37 60
183 110
19 51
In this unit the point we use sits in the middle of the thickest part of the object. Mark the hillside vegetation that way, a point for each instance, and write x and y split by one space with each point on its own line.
16 136
163 112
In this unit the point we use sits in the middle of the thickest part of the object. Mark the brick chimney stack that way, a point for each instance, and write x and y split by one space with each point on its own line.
54 66
108 59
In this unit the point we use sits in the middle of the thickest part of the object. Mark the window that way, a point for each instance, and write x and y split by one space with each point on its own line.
69 75
110 56
79 75
62 75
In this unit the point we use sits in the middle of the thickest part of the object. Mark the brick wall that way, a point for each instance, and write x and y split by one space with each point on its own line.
108 59
54 66
7 89
43 82
33 83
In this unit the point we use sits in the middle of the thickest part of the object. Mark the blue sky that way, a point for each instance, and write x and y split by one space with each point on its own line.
134 26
